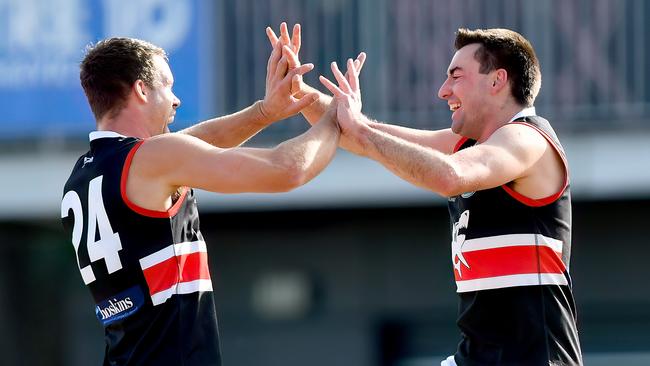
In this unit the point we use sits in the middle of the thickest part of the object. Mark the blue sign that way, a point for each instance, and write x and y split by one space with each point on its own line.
119 306
42 43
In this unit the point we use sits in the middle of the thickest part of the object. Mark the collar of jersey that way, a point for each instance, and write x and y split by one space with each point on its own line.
526 112
103 134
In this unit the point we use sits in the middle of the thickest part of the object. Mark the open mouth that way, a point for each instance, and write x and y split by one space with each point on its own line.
454 106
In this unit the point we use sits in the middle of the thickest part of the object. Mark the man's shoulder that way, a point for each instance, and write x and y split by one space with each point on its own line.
159 155
518 134
169 140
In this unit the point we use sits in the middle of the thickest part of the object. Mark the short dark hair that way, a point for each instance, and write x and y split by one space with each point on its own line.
110 68
509 50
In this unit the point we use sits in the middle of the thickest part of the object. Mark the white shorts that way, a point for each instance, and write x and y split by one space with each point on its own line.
448 362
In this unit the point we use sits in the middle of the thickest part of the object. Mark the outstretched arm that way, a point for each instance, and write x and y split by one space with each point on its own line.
512 153
166 162
285 167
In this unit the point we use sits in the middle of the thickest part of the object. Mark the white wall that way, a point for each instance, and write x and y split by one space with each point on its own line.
610 166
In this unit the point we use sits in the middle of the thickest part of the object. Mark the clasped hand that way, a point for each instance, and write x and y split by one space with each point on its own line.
347 95
283 76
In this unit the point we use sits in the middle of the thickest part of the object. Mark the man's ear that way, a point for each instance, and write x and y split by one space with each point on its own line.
140 90
499 80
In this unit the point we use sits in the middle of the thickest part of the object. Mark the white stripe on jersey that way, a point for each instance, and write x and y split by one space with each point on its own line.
165 253
511 240
532 279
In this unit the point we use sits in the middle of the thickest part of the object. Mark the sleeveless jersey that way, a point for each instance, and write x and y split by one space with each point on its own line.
146 270
510 257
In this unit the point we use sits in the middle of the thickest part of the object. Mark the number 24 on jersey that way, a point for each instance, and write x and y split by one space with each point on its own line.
108 245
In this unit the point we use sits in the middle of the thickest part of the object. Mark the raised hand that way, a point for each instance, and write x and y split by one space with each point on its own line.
294 42
348 97
279 100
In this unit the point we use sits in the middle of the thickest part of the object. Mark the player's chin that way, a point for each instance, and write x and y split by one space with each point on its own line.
166 126
456 126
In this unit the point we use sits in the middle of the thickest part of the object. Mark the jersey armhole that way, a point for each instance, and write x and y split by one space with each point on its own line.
539 202
138 209
459 144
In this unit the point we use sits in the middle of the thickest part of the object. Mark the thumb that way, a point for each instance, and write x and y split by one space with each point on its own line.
302 103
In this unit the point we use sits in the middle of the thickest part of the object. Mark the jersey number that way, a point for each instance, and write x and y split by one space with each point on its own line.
108 245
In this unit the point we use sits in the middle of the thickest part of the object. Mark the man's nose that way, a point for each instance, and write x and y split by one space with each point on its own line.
445 91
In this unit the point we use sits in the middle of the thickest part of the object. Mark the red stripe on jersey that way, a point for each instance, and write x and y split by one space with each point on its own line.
539 202
141 210
460 143
177 269
532 202
194 267
162 276
511 260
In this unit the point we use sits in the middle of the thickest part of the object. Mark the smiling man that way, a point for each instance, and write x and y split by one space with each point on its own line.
506 178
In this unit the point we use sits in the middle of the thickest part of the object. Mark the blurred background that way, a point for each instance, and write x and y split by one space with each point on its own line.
354 268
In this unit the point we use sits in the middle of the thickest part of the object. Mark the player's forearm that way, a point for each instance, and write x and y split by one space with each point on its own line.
308 154
441 140
231 130
423 167
408 134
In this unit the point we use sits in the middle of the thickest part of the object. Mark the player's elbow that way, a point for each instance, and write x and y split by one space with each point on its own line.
449 184
293 177
446 188
291 174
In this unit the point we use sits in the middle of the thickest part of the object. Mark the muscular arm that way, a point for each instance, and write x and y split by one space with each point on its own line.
443 141
231 130
166 162
512 153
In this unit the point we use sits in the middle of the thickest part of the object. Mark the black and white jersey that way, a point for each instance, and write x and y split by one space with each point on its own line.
146 270
510 257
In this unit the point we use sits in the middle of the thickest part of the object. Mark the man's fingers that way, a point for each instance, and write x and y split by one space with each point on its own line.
296 80
302 69
296 38
352 76
358 63
294 77
273 39
272 65
302 103
292 58
290 79
284 34
331 86
281 69
343 83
